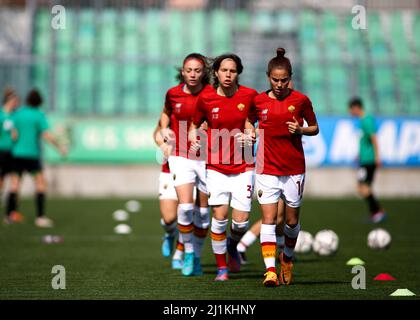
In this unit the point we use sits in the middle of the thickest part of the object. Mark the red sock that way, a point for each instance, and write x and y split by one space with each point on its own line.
221 260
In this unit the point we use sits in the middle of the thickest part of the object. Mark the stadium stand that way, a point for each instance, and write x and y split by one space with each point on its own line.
101 67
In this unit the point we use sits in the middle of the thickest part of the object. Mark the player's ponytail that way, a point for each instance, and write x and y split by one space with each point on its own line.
279 62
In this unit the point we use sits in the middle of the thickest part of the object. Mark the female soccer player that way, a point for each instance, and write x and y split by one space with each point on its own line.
168 202
225 108
10 103
280 170
187 169
31 125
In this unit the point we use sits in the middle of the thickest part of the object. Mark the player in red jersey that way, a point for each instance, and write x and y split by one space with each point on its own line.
187 170
225 109
280 169
168 203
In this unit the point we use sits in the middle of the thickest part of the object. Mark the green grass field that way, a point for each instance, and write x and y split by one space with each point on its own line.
102 265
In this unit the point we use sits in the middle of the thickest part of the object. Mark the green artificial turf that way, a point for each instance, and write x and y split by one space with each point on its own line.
102 265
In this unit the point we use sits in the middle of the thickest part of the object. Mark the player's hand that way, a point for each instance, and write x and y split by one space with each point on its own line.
166 149
167 134
294 127
378 163
244 139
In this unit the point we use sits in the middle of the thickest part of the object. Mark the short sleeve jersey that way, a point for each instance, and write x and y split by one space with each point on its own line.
366 150
182 107
225 116
280 152
30 123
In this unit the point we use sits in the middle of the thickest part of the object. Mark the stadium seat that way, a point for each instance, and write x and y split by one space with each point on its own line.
286 21
197 32
330 27
242 21
220 32
385 88
407 86
416 32
42 34
108 90
66 37
175 34
313 85
263 21
109 33
87 31
63 87
85 87
153 30
378 46
338 87
130 89
399 41
353 40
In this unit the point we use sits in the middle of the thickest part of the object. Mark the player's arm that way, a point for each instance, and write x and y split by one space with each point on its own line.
53 141
374 141
160 141
308 114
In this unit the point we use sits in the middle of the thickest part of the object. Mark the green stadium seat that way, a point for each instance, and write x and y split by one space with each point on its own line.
313 85
379 49
338 87
108 82
398 37
385 88
333 51
197 31
286 21
153 31
407 86
87 31
66 37
354 40
263 21
416 32
308 31
130 89
175 35
63 86
85 84
242 20
220 32
109 22
330 27
42 32
131 33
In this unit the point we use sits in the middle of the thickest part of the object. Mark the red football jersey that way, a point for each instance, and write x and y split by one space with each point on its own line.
280 152
181 106
225 116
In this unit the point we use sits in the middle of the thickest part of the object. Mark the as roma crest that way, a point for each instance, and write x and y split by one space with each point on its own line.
241 106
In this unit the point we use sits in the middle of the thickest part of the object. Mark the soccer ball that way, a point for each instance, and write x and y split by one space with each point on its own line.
120 215
304 242
325 243
122 229
379 239
133 206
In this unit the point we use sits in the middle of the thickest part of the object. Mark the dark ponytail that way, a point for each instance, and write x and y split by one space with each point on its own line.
280 62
